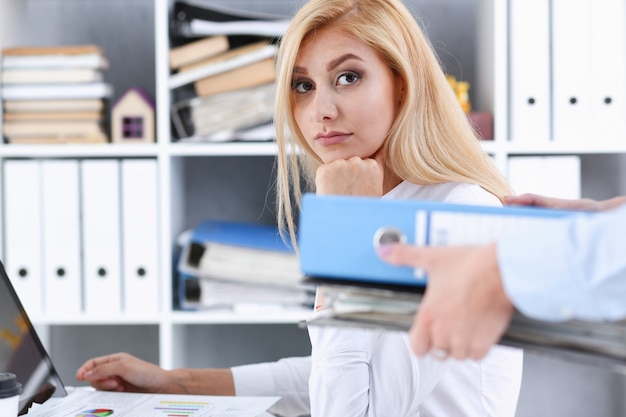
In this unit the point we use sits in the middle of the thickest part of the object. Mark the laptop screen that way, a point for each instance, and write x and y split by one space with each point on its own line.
21 351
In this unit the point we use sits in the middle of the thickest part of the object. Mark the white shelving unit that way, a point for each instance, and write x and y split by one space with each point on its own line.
169 330
193 338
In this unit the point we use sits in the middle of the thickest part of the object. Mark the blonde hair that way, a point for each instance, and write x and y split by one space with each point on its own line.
430 141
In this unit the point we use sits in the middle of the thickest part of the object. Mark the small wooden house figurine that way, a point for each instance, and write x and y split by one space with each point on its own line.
132 118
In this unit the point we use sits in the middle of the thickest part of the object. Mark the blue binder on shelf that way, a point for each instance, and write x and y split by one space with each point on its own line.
338 235
253 236
231 251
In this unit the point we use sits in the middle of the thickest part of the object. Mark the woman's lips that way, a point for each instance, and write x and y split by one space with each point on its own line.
332 138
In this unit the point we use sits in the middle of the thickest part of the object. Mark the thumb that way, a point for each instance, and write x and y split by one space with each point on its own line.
419 335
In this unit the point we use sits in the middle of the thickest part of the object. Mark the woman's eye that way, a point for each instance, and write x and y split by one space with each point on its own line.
302 86
348 78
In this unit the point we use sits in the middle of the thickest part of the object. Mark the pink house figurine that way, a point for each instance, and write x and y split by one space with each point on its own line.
132 118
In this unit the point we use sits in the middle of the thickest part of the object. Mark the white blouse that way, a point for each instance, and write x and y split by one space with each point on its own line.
363 372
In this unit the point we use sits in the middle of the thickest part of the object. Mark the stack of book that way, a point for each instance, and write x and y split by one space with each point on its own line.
54 94
232 75
233 264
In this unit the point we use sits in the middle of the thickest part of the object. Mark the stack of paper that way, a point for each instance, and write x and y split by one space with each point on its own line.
224 116
127 404
586 342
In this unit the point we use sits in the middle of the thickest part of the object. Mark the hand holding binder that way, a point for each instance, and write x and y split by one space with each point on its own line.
465 309
481 293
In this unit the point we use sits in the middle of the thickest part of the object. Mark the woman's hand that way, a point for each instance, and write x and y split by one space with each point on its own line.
354 176
124 372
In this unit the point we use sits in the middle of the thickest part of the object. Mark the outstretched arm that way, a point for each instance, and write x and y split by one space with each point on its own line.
560 203
124 372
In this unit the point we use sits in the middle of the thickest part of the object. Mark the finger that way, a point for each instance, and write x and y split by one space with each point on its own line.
459 346
404 255
419 336
480 346
440 347
478 352
527 199
90 365
105 370
109 384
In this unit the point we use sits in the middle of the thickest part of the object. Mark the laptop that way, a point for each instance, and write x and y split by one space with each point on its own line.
23 354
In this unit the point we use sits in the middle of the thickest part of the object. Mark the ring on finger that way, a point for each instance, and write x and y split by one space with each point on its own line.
439 353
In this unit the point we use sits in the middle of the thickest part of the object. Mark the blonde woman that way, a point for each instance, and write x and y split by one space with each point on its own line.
362 96
362 108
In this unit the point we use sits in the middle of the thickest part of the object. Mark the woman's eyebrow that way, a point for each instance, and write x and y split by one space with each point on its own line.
331 65
337 61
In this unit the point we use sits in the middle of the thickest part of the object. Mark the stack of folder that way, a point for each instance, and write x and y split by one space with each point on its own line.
359 289
227 264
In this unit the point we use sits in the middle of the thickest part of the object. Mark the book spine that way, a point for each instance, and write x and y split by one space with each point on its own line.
261 72
55 91
55 61
187 77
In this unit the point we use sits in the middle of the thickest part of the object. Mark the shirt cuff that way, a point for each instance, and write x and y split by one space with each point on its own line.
537 271
254 380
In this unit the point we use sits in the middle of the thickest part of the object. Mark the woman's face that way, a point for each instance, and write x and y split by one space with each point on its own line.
346 96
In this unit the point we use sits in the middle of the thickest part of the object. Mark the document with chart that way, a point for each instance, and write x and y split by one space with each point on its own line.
122 404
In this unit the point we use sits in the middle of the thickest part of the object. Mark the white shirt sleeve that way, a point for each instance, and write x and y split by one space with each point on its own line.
573 268
340 378
287 378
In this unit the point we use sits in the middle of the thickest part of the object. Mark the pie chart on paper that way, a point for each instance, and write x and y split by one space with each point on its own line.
97 412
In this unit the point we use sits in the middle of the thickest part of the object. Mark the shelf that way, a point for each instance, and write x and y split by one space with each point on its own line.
223 149
552 148
260 315
84 319
257 316
79 151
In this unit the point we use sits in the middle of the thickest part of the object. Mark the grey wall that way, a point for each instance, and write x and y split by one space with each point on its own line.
124 29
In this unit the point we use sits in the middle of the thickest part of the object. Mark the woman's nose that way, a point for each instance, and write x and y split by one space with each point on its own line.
324 105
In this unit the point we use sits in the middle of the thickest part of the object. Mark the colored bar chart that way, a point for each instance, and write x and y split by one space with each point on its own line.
180 408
